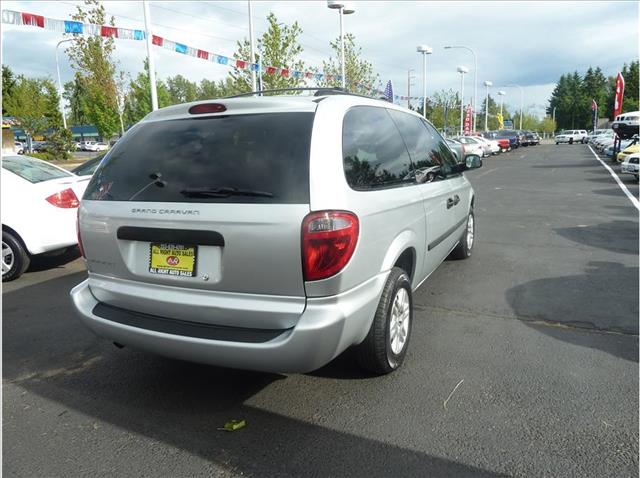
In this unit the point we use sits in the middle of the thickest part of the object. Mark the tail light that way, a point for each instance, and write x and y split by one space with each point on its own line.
66 199
80 246
328 241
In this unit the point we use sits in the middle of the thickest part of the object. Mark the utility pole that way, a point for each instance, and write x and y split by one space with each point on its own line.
152 65
253 53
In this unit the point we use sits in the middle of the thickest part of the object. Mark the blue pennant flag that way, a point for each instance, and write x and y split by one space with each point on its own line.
388 91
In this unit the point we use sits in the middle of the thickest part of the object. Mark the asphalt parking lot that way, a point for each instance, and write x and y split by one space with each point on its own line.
523 362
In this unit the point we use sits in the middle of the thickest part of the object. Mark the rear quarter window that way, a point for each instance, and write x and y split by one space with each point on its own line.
374 154
165 161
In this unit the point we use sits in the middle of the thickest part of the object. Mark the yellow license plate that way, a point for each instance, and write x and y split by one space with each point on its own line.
173 259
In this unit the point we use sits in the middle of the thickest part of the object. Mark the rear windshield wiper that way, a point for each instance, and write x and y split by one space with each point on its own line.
223 192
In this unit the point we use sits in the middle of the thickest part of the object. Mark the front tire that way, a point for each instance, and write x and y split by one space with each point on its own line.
15 259
465 247
385 347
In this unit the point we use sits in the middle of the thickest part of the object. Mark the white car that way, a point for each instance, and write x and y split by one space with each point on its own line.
473 145
97 147
39 208
493 145
572 136
595 134
630 165
627 124
603 139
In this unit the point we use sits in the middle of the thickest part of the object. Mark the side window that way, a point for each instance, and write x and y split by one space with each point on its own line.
374 155
425 148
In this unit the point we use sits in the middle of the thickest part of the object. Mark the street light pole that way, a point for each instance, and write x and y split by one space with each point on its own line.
475 78
344 9
152 65
425 50
409 78
64 118
251 42
462 70
521 100
486 106
501 94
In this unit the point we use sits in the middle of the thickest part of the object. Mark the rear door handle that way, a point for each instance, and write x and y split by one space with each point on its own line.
450 203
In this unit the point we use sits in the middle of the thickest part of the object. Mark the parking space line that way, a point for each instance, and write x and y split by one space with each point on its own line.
632 198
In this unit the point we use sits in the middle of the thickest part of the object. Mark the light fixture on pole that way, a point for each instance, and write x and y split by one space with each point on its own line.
501 93
64 118
425 50
463 70
152 65
486 106
345 8
475 78
252 47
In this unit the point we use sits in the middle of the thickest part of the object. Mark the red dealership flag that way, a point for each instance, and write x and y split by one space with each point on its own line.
617 104
467 120
594 105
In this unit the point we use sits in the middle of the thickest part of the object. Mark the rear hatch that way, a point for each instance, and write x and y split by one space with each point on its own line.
198 218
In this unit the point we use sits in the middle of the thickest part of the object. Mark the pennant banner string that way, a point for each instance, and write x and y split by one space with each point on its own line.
12 17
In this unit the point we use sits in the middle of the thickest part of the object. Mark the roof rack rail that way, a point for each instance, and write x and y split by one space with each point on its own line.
319 91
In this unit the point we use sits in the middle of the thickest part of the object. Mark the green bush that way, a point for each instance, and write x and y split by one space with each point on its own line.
46 156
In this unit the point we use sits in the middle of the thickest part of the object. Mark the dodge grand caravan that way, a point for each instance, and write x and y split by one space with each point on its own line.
271 232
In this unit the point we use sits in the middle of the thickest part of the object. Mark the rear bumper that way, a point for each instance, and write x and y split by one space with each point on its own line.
328 326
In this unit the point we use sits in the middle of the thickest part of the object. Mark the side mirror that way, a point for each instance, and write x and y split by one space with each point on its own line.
473 162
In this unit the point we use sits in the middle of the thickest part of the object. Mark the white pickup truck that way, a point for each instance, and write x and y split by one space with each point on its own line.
572 136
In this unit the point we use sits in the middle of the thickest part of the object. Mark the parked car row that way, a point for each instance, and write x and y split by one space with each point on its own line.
515 137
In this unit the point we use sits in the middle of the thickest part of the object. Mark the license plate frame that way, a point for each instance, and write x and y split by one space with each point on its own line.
174 260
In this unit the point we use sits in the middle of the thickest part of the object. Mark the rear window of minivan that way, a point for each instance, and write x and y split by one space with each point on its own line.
249 158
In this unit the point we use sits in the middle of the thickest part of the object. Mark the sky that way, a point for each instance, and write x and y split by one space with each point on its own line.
525 43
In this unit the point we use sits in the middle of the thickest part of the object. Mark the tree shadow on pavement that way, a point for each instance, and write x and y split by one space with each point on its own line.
605 298
48 352
619 236
611 192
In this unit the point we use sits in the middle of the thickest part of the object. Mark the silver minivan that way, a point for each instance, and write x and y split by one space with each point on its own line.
271 232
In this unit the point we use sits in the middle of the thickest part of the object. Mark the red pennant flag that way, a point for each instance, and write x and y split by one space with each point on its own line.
271 70
241 64
329 77
619 96
31 19
284 72
106 31
203 54
594 105
156 40
308 74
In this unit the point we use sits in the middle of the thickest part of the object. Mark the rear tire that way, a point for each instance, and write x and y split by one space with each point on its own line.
385 347
465 247
15 259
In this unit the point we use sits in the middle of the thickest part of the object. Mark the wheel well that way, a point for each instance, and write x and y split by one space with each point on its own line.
407 261
16 235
